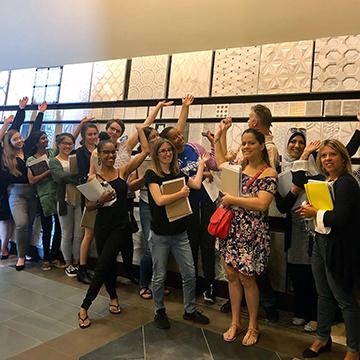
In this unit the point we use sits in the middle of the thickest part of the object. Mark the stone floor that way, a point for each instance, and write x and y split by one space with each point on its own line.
38 320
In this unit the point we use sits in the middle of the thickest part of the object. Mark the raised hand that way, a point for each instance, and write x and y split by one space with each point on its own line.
187 100
227 122
42 107
204 158
312 146
87 119
8 120
210 136
164 103
23 102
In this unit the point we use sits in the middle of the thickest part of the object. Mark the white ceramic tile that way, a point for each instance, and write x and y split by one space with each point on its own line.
148 77
337 64
21 84
236 71
285 67
75 83
190 74
108 78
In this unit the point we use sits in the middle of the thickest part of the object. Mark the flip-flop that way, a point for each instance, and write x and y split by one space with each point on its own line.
114 312
81 322
145 293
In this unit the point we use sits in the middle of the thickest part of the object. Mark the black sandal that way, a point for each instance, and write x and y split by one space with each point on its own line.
82 325
145 293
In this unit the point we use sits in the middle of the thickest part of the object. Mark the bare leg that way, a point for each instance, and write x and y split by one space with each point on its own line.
6 230
85 245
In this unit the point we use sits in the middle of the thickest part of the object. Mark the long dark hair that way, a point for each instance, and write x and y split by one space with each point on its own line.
84 130
33 140
260 138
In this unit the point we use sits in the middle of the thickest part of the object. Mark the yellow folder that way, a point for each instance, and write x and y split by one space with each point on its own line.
319 196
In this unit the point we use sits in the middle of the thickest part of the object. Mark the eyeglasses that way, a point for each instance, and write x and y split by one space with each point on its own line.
118 131
67 143
165 151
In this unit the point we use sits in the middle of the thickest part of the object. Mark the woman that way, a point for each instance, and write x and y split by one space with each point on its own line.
21 194
111 224
247 248
336 251
68 203
168 236
90 135
298 241
46 193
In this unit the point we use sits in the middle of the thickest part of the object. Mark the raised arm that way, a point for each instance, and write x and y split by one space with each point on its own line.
39 117
195 182
354 143
184 113
7 121
219 151
20 114
133 138
83 121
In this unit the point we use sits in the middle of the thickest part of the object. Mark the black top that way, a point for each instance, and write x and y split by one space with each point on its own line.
83 156
8 178
354 143
160 224
114 216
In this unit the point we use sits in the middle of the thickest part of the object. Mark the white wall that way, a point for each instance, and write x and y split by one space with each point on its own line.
47 32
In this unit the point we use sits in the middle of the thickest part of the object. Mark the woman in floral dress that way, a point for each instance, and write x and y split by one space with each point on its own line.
247 248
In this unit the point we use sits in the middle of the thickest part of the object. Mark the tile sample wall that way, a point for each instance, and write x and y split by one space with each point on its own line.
337 64
285 67
190 74
75 83
236 71
4 82
108 79
148 77
21 84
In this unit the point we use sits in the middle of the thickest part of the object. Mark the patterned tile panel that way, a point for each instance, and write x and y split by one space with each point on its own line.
148 77
350 107
285 67
337 64
136 113
332 107
236 71
75 83
108 79
21 84
190 74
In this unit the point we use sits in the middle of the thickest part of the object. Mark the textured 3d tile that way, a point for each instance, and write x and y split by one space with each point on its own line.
21 84
313 108
168 112
332 107
236 71
350 107
281 109
337 64
190 74
108 80
222 110
297 108
285 67
75 83
240 110
136 112
148 77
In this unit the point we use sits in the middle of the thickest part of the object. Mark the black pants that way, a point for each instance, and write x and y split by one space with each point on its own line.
197 225
304 290
267 294
108 244
47 228
127 253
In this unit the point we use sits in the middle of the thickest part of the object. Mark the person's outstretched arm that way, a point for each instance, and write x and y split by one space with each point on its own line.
20 114
184 113
7 121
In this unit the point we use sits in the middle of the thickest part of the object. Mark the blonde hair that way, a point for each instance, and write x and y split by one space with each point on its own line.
339 148
8 160
174 166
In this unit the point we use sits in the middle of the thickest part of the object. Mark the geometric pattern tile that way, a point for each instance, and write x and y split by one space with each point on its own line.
108 79
4 82
285 67
337 64
75 83
21 84
190 74
148 76
236 71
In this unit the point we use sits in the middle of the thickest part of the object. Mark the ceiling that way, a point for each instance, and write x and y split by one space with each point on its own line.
47 33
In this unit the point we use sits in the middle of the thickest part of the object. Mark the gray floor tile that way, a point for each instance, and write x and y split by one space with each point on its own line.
126 347
57 291
13 342
37 326
27 298
181 342
9 310
230 351
63 312
99 306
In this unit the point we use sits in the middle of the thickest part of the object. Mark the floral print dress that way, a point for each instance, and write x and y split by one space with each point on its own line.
247 247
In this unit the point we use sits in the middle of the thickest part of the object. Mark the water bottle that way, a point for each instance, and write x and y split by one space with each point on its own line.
123 154
108 187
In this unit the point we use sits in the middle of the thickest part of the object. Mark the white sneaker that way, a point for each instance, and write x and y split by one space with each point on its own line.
71 271
298 321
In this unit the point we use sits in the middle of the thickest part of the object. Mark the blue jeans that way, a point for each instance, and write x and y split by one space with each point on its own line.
331 294
146 260
179 246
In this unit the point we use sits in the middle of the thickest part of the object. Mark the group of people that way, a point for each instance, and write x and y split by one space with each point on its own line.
322 260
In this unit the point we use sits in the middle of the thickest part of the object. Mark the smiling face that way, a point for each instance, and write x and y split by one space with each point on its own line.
177 139
66 146
43 142
107 154
165 154
296 146
17 141
114 130
250 147
91 136
331 161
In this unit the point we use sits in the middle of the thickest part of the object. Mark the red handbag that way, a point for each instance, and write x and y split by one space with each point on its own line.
220 221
